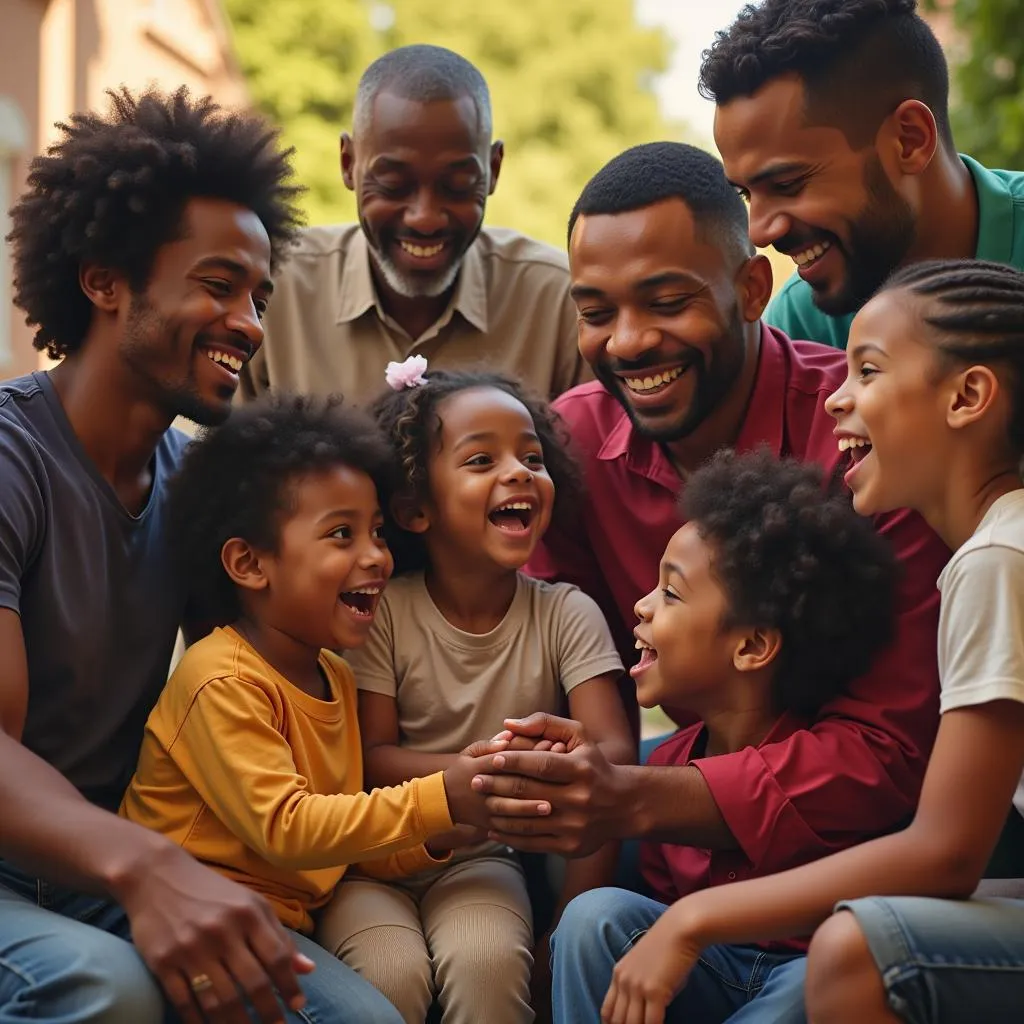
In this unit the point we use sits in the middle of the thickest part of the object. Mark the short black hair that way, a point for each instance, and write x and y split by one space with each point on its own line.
858 60
793 555
975 310
237 480
410 419
426 74
111 192
655 171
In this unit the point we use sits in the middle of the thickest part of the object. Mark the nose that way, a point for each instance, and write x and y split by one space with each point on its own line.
840 402
631 337
643 608
516 471
375 555
243 319
767 222
424 215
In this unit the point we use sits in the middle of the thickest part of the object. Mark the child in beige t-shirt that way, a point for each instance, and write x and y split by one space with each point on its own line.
462 641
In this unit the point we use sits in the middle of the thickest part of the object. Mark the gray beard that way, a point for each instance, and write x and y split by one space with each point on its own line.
412 288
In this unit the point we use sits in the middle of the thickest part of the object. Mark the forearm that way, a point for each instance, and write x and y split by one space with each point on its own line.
795 902
672 805
53 831
391 765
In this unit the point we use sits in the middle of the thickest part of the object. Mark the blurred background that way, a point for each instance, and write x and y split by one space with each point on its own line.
573 83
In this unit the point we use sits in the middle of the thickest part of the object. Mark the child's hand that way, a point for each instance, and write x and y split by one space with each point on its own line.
650 975
514 742
469 807
454 839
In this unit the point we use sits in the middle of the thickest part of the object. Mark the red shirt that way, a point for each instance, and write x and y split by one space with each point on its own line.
857 771
672 871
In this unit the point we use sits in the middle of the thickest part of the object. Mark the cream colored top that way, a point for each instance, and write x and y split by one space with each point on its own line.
454 687
981 621
326 331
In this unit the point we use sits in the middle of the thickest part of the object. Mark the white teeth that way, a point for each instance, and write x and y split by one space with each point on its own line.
421 251
514 505
216 356
641 646
801 259
845 443
372 591
642 384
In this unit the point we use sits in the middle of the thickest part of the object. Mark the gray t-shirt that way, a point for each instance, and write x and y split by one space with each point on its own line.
98 600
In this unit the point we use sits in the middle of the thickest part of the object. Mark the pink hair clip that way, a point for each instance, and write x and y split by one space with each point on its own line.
408 374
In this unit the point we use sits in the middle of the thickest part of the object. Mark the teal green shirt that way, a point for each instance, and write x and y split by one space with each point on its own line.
1000 239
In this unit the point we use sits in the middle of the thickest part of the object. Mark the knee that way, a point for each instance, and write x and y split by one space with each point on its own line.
843 982
593 921
102 981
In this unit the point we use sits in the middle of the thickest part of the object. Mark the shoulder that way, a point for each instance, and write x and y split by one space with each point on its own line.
590 408
676 749
518 252
318 250
338 670
555 598
994 556
793 310
24 429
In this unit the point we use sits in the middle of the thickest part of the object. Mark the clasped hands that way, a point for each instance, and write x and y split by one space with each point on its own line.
543 788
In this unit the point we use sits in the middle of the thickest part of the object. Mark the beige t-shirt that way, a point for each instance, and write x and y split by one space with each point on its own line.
453 687
981 622
326 331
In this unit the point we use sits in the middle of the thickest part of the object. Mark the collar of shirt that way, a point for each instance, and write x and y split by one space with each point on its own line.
359 293
762 423
995 213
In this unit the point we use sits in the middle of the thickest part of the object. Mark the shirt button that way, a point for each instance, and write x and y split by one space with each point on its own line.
732 876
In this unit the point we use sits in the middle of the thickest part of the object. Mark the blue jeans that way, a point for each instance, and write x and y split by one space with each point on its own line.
730 983
66 958
943 961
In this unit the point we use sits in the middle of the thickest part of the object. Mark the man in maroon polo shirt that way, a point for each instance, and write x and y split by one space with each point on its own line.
669 297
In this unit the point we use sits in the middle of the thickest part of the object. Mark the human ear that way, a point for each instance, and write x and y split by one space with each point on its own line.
242 564
410 515
104 288
348 160
756 649
754 285
914 136
977 389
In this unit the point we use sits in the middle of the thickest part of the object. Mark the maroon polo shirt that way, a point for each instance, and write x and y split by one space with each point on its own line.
857 770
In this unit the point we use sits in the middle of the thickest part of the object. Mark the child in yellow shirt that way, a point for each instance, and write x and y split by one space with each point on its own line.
251 759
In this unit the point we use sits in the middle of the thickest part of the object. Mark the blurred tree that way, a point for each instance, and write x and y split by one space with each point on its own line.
986 49
571 82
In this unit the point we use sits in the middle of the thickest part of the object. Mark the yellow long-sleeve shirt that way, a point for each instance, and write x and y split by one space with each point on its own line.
263 782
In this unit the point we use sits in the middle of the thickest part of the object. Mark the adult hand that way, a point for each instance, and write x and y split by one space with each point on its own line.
213 945
467 805
650 975
587 797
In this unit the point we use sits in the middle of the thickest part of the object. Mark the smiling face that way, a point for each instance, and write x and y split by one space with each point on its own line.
833 209
687 652
490 495
891 410
324 580
660 317
421 173
198 321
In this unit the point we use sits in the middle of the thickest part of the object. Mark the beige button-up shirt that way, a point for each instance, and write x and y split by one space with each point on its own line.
326 331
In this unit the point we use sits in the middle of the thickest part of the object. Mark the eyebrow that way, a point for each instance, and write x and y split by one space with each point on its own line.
646 284
234 268
866 346
488 435
383 162
771 171
346 513
671 569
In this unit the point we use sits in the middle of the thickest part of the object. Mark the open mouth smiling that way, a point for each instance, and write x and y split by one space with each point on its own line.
513 516
362 602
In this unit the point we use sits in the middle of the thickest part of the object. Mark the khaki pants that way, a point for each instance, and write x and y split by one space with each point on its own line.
463 933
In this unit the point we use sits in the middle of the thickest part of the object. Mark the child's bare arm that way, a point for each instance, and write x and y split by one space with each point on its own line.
385 763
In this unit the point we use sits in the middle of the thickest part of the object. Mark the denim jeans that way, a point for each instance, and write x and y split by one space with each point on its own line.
730 983
66 958
942 961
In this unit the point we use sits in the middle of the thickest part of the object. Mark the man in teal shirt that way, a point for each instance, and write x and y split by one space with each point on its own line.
832 120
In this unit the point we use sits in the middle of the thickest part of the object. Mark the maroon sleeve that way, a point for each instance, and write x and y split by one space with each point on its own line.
857 771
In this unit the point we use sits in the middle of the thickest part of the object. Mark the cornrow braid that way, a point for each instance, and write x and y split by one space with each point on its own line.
977 309
411 420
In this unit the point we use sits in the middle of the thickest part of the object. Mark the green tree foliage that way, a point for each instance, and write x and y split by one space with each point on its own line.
571 83
987 54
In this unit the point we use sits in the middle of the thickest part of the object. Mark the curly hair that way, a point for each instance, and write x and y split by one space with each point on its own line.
411 419
792 555
238 480
112 190
976 311
858 59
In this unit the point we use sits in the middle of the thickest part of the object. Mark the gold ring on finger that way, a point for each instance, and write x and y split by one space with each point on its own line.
200 983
